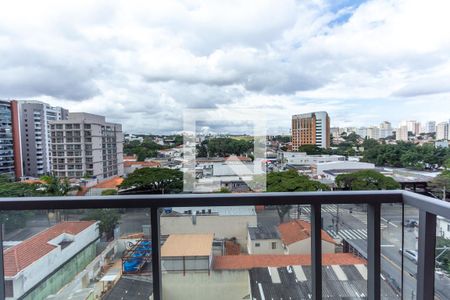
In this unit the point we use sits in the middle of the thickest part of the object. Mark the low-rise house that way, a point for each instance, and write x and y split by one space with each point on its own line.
109 184
202 220
264 240
296 238
43 264
187 271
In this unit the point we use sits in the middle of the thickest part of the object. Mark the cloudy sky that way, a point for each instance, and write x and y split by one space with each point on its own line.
142 63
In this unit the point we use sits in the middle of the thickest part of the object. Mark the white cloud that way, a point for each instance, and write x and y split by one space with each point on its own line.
143 63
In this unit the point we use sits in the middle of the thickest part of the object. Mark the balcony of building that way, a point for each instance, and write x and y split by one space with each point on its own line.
193 245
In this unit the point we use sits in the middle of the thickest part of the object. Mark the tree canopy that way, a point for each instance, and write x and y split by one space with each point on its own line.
224 147
366 180
154 181
108 220
440 185
16 219
291 181
146 149
407 155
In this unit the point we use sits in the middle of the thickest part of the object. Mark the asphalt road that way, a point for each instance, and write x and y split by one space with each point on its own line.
353 226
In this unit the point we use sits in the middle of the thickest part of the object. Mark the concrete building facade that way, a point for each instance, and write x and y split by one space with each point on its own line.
402 133
44 263
86 145
311 129
35 117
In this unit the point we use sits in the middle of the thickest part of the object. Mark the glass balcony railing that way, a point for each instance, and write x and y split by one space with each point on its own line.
320 245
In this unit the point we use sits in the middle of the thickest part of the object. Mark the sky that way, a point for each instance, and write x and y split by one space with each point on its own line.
143 63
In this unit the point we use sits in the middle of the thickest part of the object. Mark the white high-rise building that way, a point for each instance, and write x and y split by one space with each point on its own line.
442 132
385 129
430 127
413 126
373 132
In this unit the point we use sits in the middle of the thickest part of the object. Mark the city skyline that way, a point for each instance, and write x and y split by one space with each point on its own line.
361 61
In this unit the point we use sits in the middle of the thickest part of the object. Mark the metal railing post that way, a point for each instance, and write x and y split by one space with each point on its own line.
2 266
156 253
426 255
373 251
316 251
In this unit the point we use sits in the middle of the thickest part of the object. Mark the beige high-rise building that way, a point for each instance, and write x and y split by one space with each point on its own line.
86 145
402 133
311 129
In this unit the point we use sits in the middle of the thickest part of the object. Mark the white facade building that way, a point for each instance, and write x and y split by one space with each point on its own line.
301 158
442 132
320 168
30 263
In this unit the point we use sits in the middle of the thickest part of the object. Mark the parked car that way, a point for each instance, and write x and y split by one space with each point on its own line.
411 223
410 254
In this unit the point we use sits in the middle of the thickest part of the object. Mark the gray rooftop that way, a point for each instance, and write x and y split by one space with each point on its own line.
263 233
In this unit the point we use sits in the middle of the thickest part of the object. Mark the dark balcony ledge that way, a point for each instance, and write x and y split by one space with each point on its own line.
179 200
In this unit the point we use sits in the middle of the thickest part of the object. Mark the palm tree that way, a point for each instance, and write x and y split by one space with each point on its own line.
55 186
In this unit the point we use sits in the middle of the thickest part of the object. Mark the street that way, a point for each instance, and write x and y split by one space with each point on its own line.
350 223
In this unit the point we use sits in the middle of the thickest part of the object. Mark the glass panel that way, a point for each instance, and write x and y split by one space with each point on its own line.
82 254
344 251
442 278
391 243
411 235
235 253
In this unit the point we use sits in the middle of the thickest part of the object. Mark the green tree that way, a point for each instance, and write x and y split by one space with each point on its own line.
291 181
13 220
55 186
153 181
366 180
108 220
440 185
310 149
109 192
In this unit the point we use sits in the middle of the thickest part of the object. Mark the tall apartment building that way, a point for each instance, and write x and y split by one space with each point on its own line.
34 117
10 162
385 129
442 131
402 133
373 132
86 145
311 129
430 127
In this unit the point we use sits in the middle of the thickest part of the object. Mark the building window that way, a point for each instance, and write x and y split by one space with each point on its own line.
274 245
257 244
448 227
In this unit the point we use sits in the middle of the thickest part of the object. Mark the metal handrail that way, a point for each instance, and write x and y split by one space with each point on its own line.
428 209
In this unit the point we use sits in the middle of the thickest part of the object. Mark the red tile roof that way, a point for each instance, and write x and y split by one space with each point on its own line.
149 164
109 184
247 262
299 230
24 254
